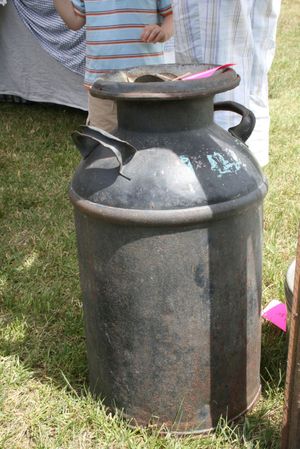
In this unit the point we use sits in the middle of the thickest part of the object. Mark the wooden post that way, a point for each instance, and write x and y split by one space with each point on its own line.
291 419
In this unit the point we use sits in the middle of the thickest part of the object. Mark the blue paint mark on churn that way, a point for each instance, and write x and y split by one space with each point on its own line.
221 165
186 161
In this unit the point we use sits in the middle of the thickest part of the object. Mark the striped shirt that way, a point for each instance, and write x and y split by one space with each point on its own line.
113 34
233 31
42 19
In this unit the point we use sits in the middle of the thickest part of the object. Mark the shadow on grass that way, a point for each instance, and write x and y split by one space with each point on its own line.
258 431
43 325
41 314
274 356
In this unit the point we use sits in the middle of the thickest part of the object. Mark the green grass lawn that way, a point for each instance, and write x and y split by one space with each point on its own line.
44 399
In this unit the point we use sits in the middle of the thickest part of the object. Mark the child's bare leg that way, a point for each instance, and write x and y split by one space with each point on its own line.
102 113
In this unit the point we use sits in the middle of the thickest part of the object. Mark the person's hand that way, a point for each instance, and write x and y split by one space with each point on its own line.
153 34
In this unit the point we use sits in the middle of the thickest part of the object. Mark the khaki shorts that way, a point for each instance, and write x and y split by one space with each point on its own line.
102 113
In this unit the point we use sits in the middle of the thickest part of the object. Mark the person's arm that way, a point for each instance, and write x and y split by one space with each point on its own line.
159 33
74 19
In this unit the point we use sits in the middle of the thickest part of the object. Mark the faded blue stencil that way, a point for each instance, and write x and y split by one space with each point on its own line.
219 164
185 159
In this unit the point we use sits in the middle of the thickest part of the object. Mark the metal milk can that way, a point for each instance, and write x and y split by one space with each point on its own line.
168 212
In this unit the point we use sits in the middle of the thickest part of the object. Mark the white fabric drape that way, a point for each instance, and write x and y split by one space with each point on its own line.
233 31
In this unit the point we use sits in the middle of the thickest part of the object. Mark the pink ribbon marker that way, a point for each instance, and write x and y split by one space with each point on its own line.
206 73
276 313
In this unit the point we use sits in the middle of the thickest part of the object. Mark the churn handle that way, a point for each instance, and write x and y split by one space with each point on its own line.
88 138
244 129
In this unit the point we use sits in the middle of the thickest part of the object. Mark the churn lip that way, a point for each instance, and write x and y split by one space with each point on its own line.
172 217
113 85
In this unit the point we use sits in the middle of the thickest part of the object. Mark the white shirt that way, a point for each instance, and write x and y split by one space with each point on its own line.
233 31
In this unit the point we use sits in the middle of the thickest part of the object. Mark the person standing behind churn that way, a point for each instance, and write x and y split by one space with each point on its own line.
233 31
119 34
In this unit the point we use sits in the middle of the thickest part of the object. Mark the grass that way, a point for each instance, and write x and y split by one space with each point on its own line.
44 399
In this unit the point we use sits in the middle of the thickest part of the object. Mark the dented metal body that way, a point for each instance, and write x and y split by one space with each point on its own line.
168 215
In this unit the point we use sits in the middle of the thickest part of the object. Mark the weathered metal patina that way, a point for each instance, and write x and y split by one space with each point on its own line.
290 438
168 215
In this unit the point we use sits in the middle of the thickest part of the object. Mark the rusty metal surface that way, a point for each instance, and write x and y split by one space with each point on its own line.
173 328
171 261
291 418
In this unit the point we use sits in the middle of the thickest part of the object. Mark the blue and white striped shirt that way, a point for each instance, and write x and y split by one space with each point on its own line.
113 33
42 19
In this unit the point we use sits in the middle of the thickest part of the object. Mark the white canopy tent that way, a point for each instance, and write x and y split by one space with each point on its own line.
29 72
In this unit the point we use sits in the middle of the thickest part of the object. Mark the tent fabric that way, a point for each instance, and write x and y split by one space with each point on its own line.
28 71
65 45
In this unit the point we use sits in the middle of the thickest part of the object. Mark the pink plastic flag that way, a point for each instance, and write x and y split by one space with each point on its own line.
276 313
206 73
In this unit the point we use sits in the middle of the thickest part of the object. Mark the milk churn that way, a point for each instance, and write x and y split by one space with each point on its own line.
168 213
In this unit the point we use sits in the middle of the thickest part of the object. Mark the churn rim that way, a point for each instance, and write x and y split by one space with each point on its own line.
116 85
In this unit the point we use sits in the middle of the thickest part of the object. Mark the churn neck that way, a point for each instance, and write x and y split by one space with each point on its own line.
165 116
